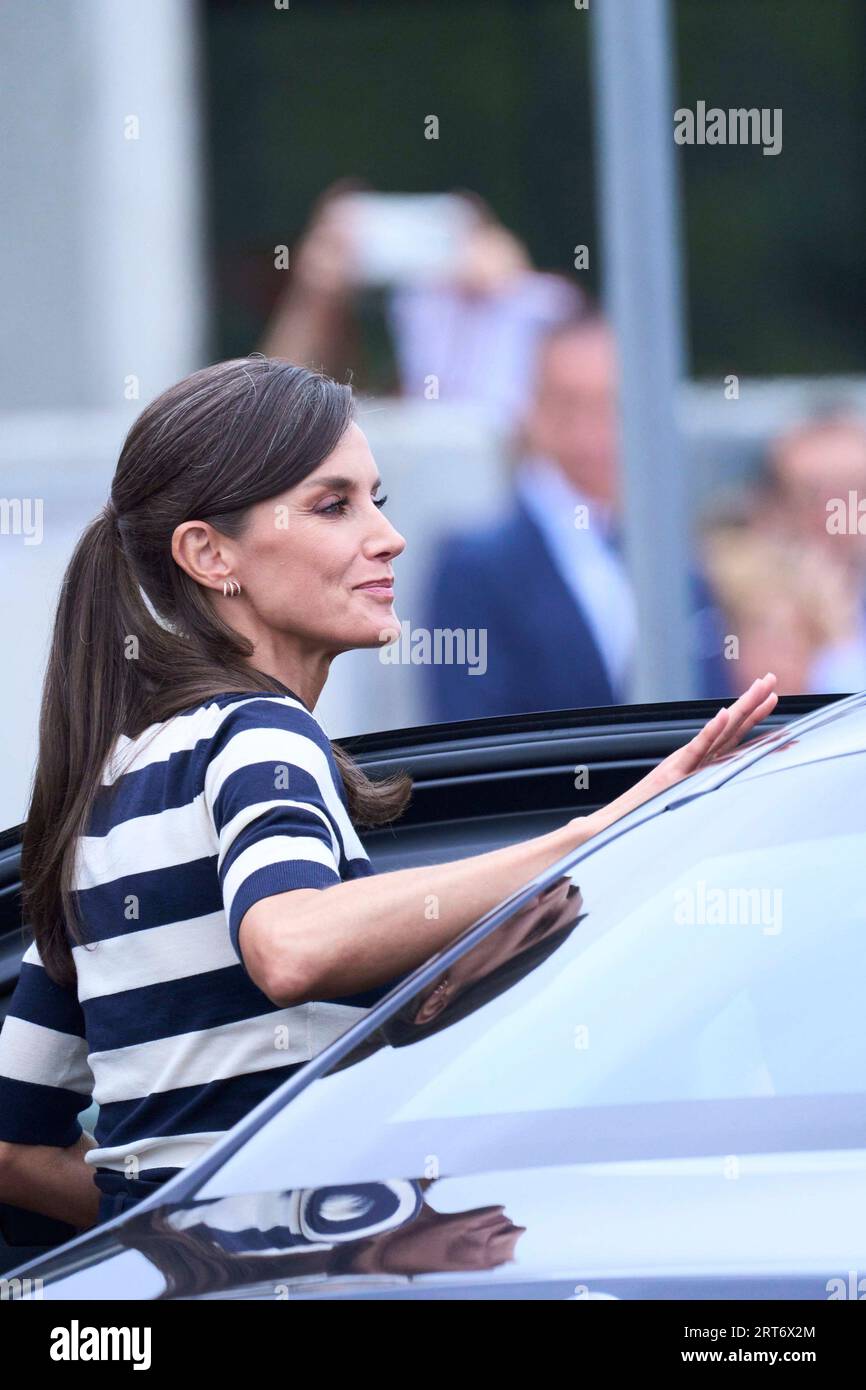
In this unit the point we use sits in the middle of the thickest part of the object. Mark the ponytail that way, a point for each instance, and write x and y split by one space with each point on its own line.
88 693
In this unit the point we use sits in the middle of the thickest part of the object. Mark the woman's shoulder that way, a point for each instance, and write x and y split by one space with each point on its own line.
273 741
239 711
194 735
251 735
255 727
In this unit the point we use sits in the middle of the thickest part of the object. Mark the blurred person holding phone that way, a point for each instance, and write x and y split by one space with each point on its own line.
463 304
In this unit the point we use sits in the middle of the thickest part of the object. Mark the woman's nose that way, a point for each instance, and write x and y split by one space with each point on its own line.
398 542
386 540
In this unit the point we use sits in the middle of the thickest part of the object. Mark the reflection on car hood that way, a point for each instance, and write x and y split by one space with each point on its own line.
690 1227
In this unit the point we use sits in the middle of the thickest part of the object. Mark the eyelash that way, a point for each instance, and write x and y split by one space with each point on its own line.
338 508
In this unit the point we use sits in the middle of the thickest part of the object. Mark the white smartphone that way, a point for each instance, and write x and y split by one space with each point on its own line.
408 237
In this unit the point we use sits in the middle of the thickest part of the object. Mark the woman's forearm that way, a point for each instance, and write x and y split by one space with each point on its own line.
308 327
321 943
53 1182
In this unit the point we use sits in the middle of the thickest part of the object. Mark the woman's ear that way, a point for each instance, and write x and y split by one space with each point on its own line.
199 550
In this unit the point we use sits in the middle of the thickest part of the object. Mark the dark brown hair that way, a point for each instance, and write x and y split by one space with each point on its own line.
228 436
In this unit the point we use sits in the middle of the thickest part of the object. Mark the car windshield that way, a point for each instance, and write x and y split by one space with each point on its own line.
695 986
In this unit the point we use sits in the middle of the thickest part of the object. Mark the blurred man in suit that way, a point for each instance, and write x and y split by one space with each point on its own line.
547 581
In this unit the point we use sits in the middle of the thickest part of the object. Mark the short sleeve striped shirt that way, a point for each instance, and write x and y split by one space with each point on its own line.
197 819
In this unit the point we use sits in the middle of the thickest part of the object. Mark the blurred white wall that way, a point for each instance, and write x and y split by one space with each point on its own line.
101 281
101 264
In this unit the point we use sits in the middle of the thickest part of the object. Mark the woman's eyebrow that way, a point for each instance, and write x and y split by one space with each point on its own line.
342 483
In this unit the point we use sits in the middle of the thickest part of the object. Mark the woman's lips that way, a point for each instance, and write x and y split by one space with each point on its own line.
380 590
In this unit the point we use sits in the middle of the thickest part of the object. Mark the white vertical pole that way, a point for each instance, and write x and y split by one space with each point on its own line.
101 282
140 189
636 176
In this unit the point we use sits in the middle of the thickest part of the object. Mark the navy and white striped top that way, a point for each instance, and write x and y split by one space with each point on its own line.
198 818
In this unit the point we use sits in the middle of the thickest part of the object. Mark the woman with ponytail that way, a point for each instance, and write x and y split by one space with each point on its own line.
204 916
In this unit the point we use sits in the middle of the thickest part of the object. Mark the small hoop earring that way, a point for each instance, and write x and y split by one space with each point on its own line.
231 588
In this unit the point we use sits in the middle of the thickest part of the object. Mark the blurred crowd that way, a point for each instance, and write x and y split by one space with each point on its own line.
778 569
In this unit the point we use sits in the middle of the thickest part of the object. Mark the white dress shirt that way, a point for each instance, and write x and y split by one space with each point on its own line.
587 561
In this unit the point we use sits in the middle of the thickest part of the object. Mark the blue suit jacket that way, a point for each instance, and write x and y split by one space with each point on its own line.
541 653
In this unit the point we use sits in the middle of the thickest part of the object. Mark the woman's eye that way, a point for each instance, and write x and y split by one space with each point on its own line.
338 508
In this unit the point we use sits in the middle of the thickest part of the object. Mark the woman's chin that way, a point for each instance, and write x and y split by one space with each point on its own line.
380 633
388 631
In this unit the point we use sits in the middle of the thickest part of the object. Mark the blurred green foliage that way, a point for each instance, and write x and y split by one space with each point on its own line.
774 246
